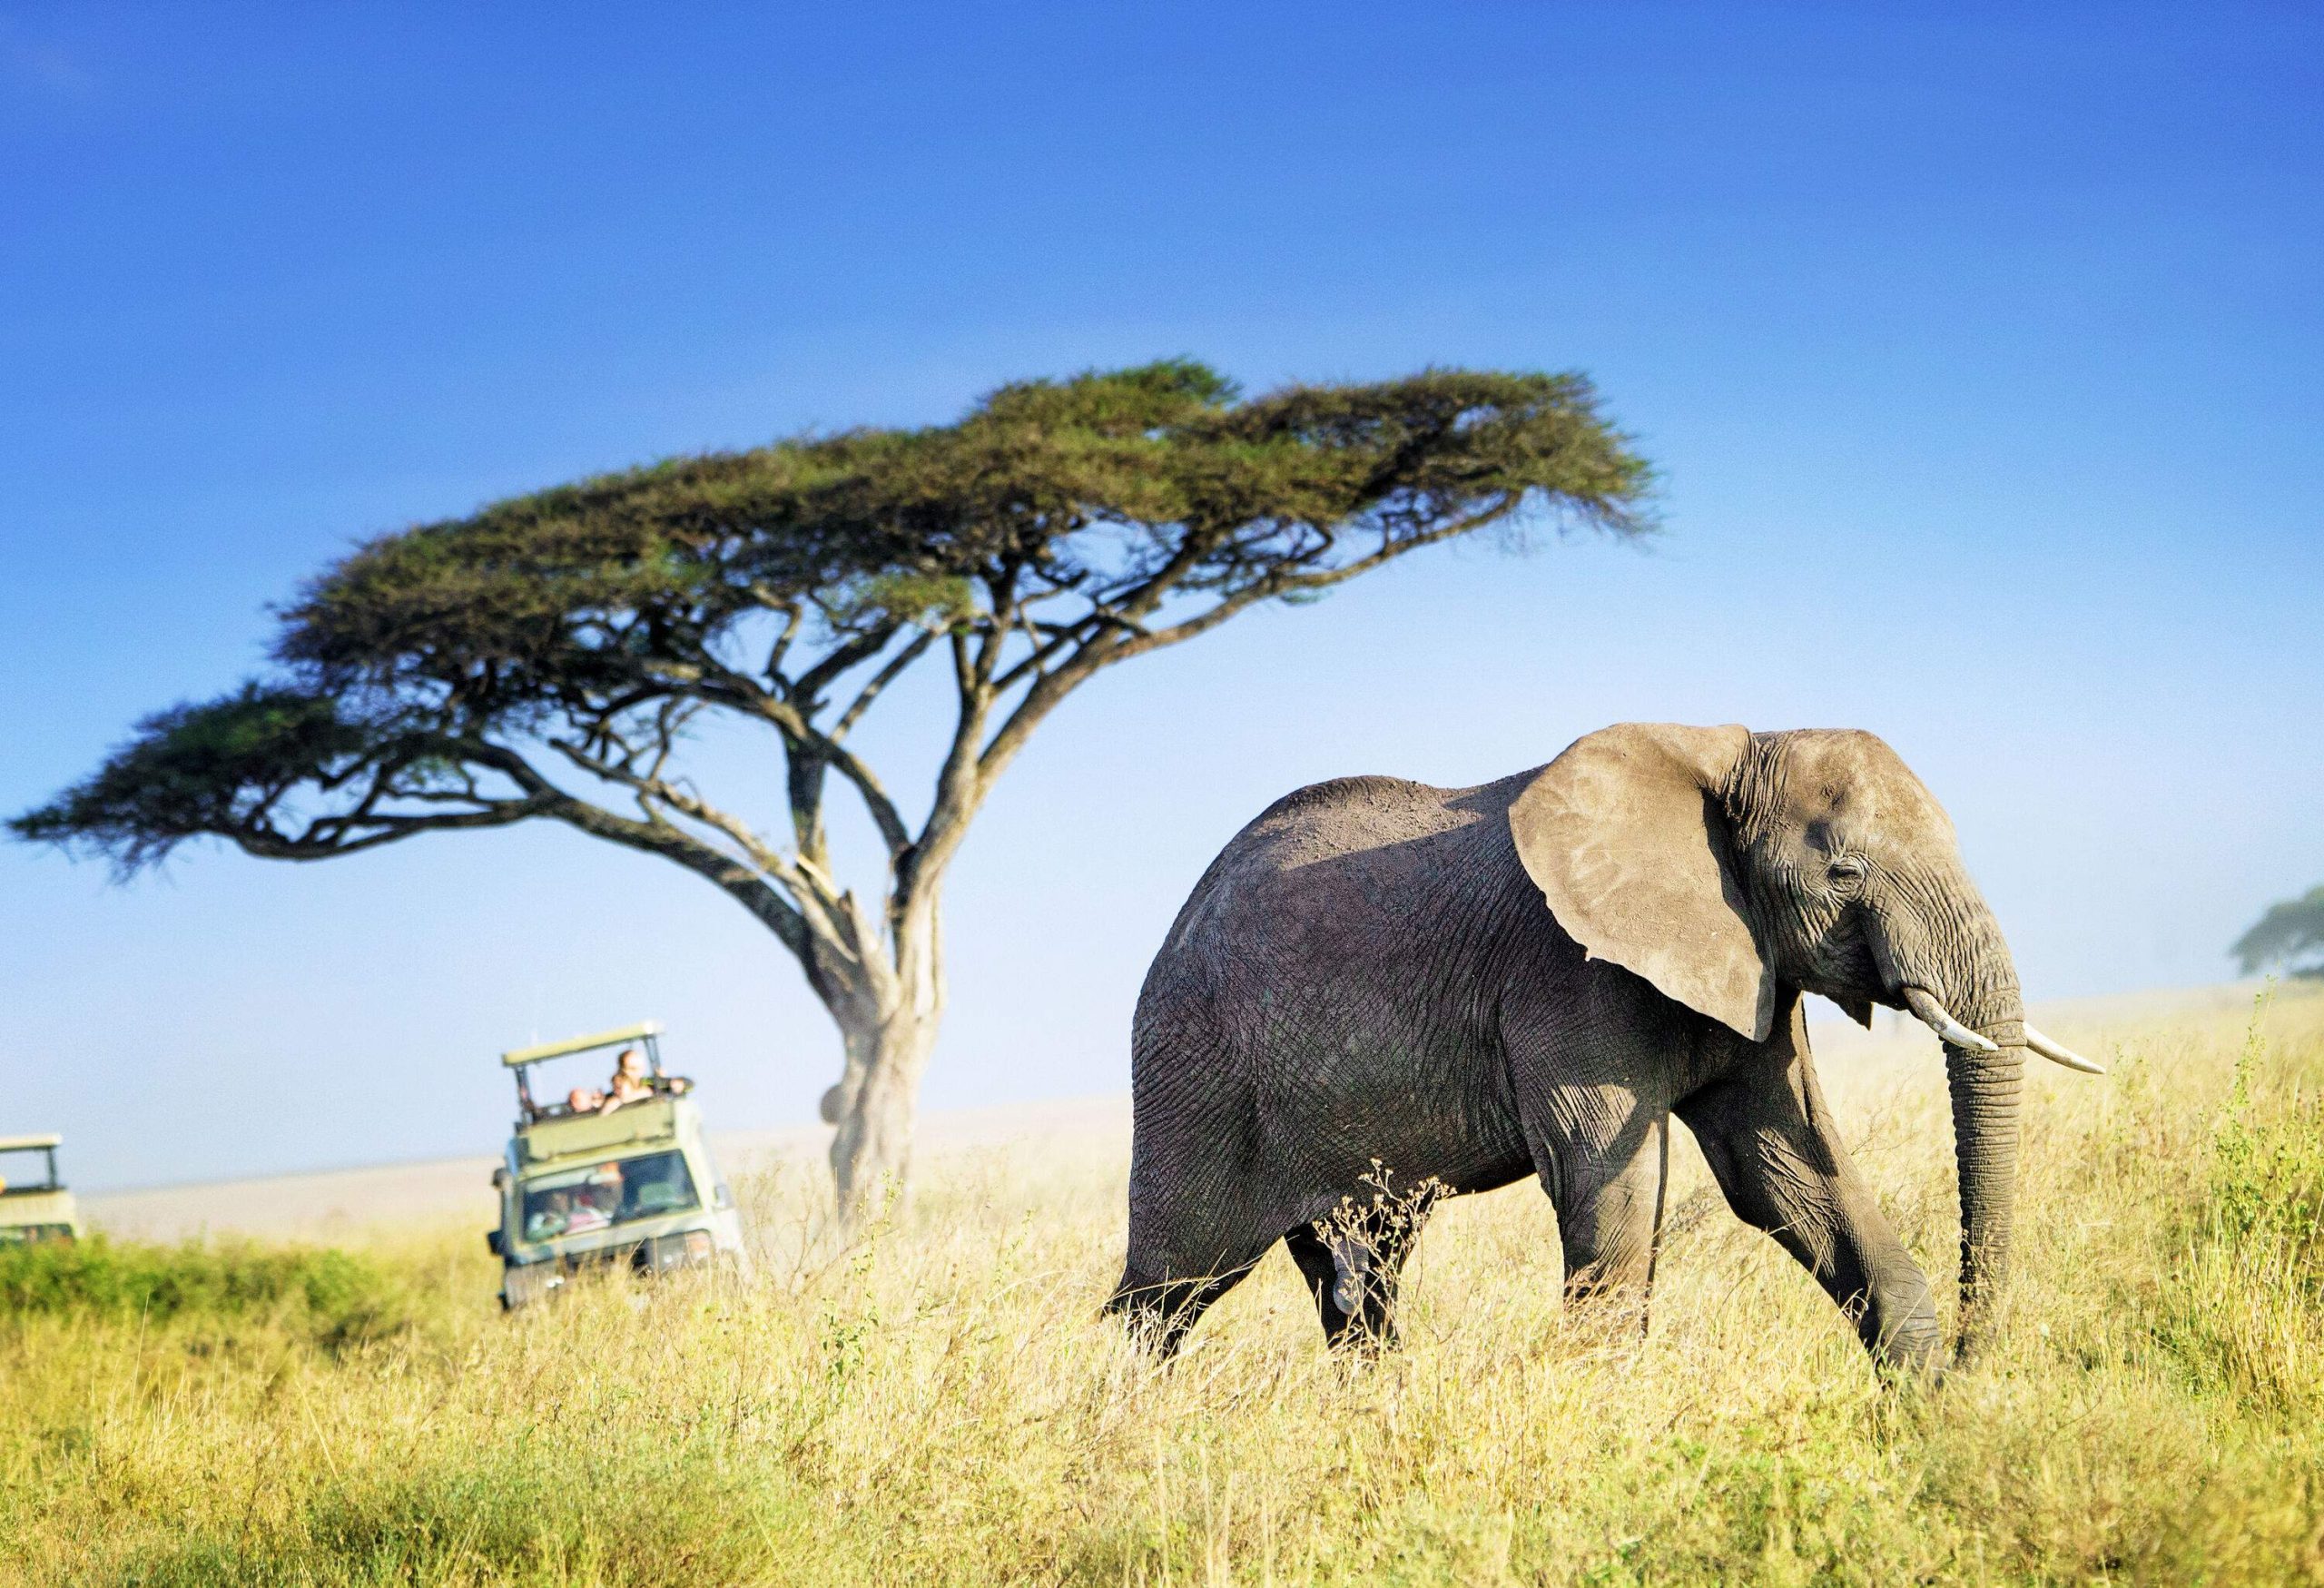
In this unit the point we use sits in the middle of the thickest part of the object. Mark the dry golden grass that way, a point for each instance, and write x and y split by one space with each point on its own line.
943 1403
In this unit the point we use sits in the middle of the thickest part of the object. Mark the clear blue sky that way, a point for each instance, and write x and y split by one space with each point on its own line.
1979 347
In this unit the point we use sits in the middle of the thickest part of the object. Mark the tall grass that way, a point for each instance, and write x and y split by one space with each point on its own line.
943 1405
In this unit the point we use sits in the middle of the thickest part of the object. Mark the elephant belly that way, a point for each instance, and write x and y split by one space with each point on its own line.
1375 1101
1324 1004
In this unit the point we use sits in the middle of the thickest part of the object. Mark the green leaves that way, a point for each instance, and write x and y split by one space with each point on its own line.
932 601
1103 476
196 769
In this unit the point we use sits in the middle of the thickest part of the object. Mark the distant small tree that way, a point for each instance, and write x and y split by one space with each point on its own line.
2290 936
545 658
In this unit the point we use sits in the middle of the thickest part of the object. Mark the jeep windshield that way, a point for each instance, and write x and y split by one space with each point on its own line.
598 1195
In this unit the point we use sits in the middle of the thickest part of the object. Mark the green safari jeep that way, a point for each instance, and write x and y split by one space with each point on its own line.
35 1205
631 1186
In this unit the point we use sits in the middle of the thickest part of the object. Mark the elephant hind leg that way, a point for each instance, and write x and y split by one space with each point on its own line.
1178 1265
1159 1312
1354 1268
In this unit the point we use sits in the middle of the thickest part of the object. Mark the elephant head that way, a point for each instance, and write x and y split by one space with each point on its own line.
1724 866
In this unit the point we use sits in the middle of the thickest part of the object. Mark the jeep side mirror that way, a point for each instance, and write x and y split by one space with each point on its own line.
492 1241
500 1179
723 1196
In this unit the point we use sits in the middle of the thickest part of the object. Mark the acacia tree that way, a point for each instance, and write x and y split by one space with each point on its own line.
546 659
2290 936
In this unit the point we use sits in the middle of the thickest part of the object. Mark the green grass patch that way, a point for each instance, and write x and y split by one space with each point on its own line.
331 1297
519 1510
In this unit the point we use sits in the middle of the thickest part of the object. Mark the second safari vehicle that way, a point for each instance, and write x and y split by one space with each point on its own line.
35 1205
631 1188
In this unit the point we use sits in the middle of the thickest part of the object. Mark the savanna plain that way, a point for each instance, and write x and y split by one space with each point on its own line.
938 1400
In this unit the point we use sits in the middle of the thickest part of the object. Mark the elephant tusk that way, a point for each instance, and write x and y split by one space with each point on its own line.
1939 1019
2057 1053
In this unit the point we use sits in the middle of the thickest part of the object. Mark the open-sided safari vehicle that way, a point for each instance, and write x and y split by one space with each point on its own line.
35 1205
633 1187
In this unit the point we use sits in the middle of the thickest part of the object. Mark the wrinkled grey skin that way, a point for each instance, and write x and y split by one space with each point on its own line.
1531 976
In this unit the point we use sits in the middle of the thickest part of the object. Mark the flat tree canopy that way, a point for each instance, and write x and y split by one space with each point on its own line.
2290 934
544 658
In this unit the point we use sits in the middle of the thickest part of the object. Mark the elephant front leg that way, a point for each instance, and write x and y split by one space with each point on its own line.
1769 1137
1609 1204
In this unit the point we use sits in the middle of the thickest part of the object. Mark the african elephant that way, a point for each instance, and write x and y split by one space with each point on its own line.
1367 978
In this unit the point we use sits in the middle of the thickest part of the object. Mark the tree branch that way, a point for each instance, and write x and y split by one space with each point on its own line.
880 681
1121 643
814 900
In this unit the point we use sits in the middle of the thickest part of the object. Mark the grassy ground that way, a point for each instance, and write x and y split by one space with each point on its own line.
943 1405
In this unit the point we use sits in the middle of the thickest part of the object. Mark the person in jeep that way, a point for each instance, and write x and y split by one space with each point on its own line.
547 1220
632 1082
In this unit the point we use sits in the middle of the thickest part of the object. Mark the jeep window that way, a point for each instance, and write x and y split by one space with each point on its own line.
29 1170
575 1201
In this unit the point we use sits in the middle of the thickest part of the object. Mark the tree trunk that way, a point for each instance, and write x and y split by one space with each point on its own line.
875 1107
888 1021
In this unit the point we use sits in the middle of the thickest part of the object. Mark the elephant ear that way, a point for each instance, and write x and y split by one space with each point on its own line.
1626 836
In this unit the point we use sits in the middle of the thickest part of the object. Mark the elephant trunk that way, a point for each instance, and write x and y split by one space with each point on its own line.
1962 971
1985 1107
